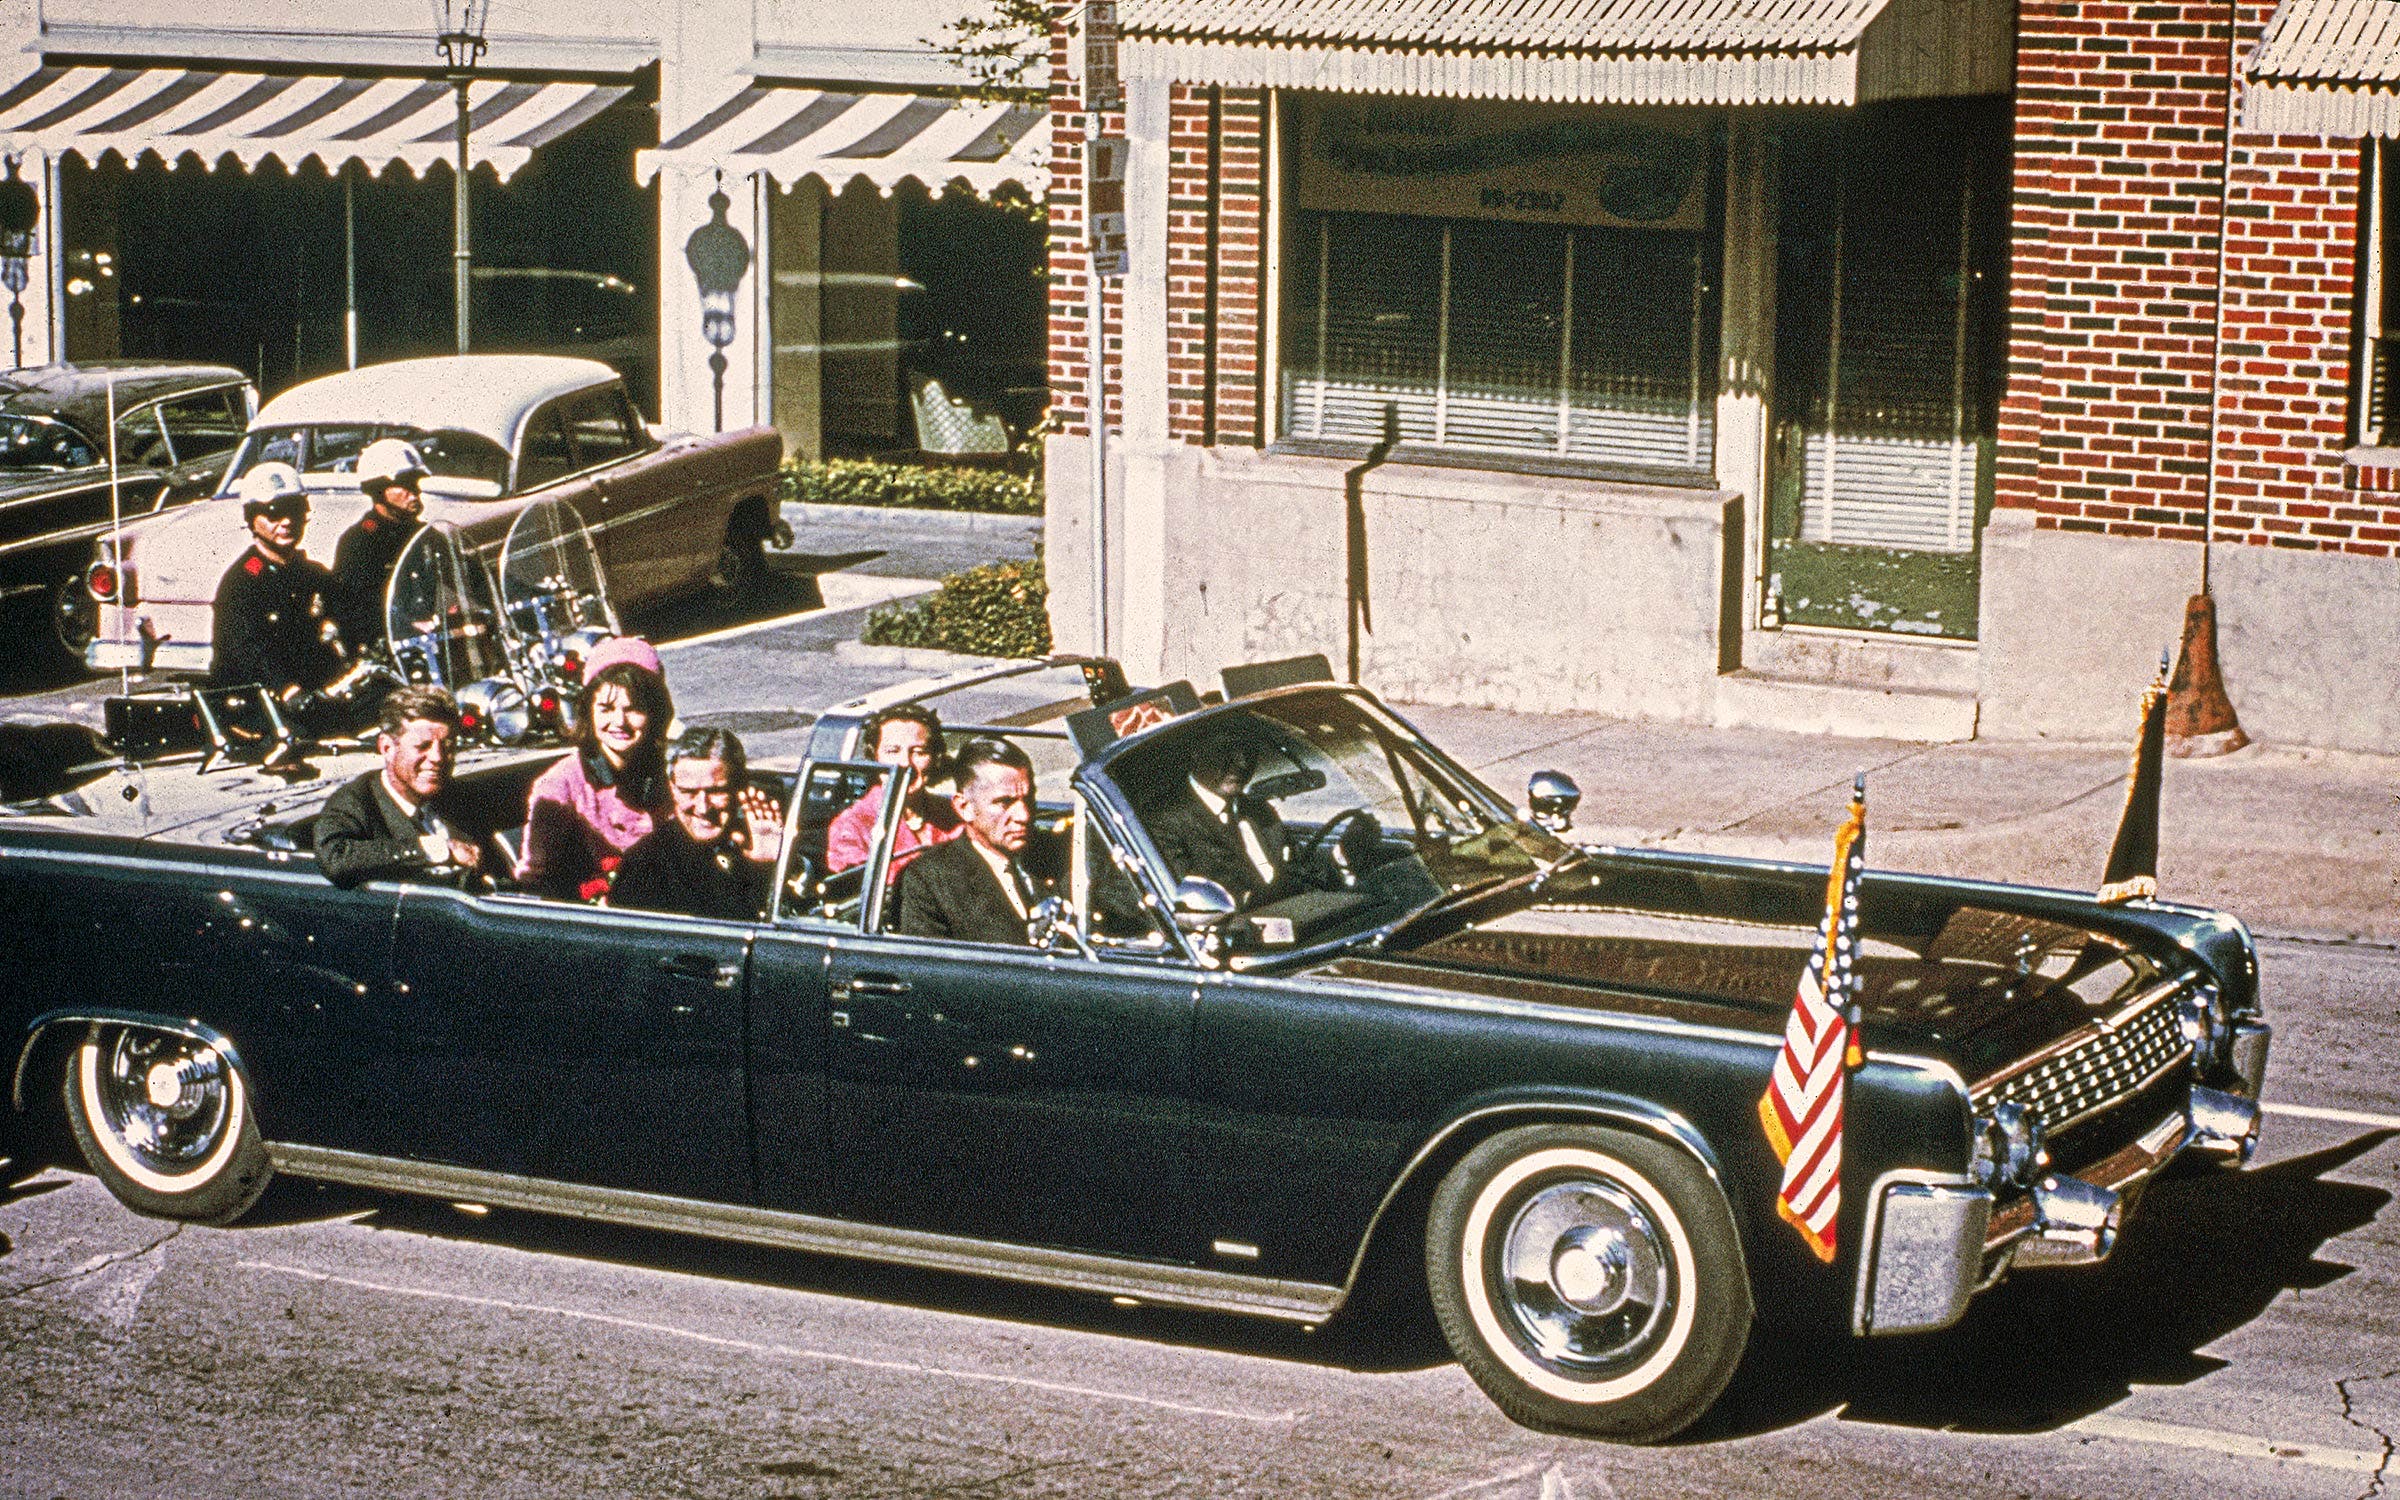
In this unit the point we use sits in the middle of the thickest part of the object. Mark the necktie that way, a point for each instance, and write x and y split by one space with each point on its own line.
1253 846
1022 888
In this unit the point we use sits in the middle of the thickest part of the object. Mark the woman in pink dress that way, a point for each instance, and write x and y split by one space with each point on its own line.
587 810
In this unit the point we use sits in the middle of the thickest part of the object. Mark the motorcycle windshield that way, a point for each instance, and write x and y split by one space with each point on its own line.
551 583
439 616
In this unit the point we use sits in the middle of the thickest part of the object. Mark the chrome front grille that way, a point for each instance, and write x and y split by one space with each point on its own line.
2094 1069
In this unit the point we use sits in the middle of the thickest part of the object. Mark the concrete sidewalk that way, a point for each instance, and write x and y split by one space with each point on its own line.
2291 841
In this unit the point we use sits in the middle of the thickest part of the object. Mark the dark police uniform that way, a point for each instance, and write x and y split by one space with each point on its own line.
270 624
362 568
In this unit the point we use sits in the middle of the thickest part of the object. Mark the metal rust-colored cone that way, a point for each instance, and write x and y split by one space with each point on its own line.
2200 718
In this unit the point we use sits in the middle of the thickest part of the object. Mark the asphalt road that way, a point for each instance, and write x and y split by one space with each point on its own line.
2241 1342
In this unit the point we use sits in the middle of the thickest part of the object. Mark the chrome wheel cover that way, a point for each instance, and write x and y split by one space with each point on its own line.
1583 1277
165 1101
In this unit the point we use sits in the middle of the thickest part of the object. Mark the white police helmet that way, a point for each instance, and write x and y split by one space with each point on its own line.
390 461
265 484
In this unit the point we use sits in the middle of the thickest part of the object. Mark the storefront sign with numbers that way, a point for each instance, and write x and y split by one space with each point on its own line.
1477 159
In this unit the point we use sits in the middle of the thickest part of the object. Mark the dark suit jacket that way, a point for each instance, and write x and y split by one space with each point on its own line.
363 835
1195 841
666 870
949 891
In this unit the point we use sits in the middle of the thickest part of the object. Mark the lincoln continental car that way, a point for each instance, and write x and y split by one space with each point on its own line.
1448 1054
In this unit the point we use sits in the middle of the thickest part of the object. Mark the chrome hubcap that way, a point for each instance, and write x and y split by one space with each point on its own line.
1583 1275
164 1097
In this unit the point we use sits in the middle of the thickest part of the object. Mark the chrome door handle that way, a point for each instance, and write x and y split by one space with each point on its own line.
875 984
700 967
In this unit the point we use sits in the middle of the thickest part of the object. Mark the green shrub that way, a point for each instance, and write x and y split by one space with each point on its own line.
852 481
997 609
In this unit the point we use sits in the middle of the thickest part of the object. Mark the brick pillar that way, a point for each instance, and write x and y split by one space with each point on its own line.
2119 151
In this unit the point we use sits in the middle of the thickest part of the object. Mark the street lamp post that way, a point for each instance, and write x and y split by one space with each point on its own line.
20 211
719 258
458 36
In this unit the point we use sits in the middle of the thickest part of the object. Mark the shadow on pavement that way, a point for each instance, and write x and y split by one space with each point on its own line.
2206 1252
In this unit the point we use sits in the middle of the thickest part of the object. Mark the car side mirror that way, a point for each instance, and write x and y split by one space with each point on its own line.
1201 903
1052 927
1552 797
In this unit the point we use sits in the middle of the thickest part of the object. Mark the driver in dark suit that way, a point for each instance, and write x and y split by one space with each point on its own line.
392 823
1212 827
977 888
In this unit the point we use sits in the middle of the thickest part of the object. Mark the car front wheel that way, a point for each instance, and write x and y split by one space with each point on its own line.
165 1123
1590 1280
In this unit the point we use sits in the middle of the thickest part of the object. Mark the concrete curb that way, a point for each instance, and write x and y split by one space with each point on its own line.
802 515
908 658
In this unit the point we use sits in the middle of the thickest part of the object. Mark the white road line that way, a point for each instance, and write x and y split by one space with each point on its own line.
2338 1116
2233 1444
786 1351
842 591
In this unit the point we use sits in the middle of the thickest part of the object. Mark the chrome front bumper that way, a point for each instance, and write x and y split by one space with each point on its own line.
1933 1241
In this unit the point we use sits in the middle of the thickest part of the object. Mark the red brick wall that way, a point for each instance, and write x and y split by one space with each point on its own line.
1215 260
2119 138
1070 266
2284 400
2114 284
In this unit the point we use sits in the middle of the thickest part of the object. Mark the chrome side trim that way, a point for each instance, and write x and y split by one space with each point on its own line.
1101 1275
2121 1170
1665 1124
1937 1255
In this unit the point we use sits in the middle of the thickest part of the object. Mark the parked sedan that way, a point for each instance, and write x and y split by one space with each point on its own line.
175 426
499 431
1441 1045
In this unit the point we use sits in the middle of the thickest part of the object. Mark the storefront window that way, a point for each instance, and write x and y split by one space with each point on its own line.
1891 305
1491 331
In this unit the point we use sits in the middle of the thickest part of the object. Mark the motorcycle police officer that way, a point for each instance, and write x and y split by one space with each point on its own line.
389 471
273 618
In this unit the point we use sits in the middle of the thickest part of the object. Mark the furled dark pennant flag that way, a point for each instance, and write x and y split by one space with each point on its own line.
2133 861
1802 1107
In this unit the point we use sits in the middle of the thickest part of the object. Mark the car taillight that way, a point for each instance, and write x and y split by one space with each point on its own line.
102 581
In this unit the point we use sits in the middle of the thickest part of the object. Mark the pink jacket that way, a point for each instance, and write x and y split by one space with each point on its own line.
852 833
575 832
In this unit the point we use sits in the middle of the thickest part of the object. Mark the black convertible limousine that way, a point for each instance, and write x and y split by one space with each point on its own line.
1527 1072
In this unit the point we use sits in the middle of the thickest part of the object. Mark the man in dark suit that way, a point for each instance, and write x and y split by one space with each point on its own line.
1212 827
389 824
977 889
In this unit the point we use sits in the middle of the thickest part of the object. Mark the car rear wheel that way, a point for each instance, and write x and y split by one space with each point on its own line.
74 618
165 1123
1590 1280
741 566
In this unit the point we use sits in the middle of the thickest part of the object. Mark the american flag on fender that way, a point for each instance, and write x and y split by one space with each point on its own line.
1802 1107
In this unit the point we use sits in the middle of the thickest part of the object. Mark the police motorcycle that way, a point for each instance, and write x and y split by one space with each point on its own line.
511 653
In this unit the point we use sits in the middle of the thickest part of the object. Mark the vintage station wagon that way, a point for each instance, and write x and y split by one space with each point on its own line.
499 431
1466 1058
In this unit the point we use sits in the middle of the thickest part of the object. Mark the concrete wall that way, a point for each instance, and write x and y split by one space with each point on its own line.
1501 590
2310 643
2073 624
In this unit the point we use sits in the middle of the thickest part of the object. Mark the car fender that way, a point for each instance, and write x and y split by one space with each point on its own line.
1475 1119
85 1015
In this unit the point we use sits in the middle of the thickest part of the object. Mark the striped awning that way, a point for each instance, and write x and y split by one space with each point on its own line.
2326 67
171 113
792 133
1582 51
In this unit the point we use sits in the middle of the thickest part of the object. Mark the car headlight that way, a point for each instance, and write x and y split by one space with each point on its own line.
2201 1013
2009 1150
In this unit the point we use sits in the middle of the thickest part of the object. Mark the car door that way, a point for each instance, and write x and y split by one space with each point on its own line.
654 544
1003 1093
573 1043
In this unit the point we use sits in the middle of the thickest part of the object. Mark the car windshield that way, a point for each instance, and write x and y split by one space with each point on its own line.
42 445
1375 821
334 447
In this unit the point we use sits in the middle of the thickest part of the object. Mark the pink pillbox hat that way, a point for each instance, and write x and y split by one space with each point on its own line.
617 651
